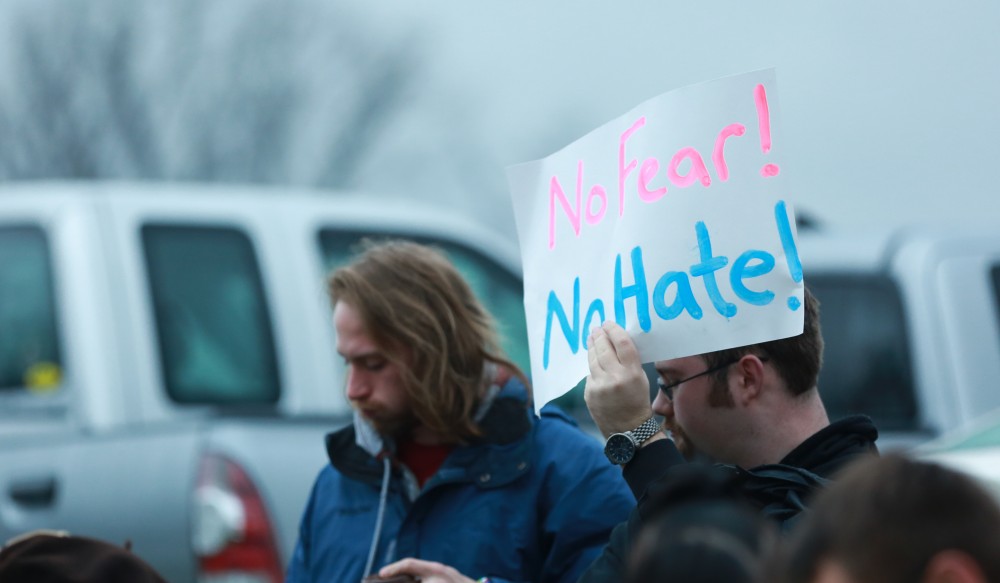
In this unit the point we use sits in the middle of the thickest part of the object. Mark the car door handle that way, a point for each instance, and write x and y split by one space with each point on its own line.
34 492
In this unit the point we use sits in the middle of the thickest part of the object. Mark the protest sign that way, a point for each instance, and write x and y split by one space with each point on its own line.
672 220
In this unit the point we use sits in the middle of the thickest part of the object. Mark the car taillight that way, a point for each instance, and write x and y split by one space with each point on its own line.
232 537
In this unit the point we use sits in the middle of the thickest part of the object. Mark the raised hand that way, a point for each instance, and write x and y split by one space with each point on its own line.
617 389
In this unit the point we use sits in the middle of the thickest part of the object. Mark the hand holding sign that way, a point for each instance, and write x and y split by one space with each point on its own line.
699 256
617 389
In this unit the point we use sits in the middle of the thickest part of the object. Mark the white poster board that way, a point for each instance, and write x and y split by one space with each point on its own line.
672 220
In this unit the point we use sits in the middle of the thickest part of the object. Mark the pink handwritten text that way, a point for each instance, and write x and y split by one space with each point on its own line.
594 209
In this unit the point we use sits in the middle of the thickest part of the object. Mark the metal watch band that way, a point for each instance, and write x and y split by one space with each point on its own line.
643 432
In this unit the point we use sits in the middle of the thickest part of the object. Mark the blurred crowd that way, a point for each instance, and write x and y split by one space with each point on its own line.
891 519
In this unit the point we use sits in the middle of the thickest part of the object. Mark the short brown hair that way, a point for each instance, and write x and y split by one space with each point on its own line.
798 359
411 295
885 518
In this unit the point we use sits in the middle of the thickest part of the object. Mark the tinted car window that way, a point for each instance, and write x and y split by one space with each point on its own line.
212 319
29 344
500 291
866 362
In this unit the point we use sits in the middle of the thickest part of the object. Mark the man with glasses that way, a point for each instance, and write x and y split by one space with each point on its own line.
753 410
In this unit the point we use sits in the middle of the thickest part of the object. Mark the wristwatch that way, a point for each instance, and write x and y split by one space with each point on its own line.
620 447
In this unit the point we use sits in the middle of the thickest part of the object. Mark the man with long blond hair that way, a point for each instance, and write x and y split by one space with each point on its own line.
446 474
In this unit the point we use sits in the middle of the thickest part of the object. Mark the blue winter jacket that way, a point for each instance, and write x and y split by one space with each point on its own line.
534 500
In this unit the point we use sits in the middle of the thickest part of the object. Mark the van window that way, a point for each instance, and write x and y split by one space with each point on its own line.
500 291
866 361
29 343
212 319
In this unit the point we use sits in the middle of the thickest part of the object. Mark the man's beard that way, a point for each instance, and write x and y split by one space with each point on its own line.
718 398
680 438
397 426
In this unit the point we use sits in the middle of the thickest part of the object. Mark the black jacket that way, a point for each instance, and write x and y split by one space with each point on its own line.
780 490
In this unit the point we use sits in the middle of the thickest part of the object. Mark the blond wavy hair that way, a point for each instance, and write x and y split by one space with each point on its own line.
411 296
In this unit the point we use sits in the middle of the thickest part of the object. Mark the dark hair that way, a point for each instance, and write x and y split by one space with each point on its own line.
886 518
411 295
699 528
48 557
798 359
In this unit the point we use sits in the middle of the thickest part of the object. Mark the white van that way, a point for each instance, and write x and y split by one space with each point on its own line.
167 359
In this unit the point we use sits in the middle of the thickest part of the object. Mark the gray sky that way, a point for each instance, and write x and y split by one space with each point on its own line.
889 108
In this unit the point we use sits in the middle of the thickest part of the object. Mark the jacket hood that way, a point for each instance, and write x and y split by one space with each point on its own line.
503 418
782 491
830 448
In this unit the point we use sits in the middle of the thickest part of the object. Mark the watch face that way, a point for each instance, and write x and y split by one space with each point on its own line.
619 449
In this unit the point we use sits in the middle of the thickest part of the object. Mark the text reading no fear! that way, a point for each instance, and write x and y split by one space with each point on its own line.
650 186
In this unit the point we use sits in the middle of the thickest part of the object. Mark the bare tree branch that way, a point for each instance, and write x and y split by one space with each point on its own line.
193 90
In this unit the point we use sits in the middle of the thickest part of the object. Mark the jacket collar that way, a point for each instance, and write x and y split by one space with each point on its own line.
493 459
833 446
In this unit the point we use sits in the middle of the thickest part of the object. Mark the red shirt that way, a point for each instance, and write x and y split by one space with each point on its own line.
423 460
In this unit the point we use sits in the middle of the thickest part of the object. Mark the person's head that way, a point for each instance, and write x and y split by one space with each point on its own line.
699 529
744 388
57 557
415 339
896 520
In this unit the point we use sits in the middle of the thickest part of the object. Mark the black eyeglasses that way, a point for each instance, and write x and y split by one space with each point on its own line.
668 390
